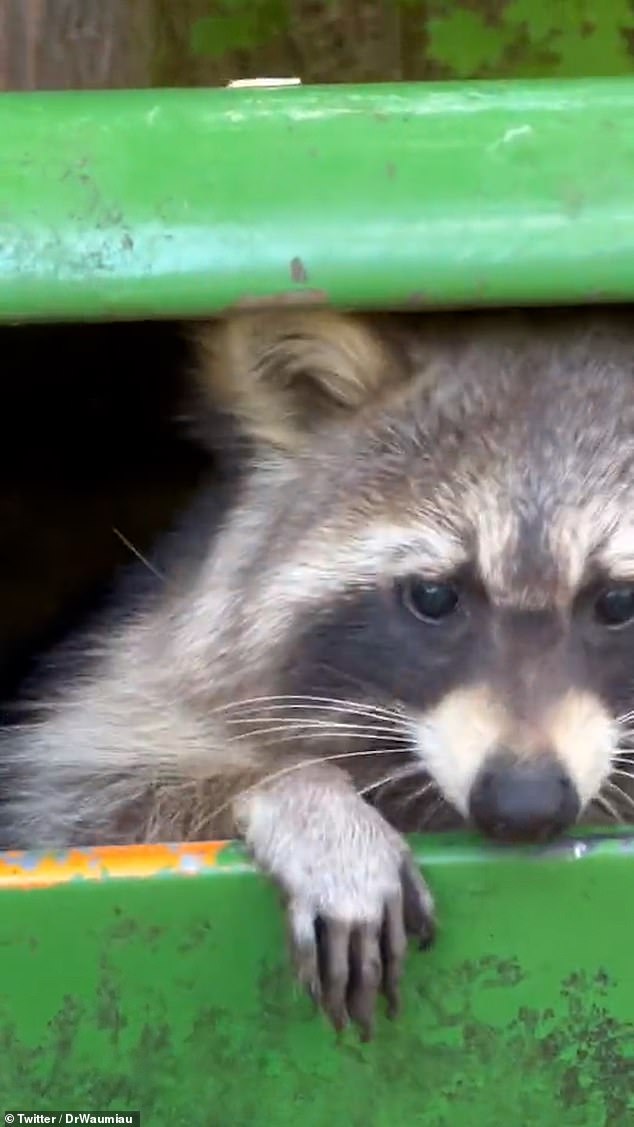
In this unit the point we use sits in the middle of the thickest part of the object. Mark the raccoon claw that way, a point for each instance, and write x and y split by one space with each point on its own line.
351 887
344 965
418 908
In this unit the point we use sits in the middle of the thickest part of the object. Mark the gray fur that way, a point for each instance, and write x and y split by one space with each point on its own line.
527 420
505 444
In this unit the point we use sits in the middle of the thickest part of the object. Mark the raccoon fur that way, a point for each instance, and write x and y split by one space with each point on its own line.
422 592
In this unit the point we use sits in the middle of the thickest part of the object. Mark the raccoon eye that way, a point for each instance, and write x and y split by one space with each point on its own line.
429 601
615 606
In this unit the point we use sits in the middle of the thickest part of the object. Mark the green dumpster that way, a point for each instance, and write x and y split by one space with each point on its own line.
154 979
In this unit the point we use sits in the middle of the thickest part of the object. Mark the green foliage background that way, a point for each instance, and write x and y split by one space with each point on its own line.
200 42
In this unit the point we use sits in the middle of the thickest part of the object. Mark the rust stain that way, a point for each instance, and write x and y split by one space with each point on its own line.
250 302
572 199
299 273
417 300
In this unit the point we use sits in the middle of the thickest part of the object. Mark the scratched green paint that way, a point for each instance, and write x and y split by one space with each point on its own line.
173 996
190 202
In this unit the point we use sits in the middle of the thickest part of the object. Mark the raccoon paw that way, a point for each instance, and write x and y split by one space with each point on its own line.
352 889
345 959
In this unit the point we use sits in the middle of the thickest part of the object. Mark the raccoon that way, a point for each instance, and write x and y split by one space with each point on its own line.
422 591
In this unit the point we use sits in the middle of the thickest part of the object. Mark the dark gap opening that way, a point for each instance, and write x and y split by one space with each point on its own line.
95 451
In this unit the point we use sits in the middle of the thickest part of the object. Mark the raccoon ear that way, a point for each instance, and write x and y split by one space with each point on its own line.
282 375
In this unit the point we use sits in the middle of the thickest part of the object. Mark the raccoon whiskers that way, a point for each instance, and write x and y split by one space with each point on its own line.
426 787
300 729
625 759
139 555
352 719
622 796
625 774
348 677
397 776
327 704
624 735
396 741
429 787
320 759
395 749
607 806
312 713
430 814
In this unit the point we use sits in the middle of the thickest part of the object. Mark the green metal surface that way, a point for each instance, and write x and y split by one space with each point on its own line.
190 202
172 996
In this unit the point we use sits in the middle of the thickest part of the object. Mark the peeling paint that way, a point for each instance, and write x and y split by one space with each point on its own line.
123 862
33 870
99 245
176 997
299 273
309 297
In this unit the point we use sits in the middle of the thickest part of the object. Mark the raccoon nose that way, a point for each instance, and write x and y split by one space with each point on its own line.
523 800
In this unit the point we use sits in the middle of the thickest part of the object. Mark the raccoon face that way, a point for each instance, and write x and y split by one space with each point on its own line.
459 550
